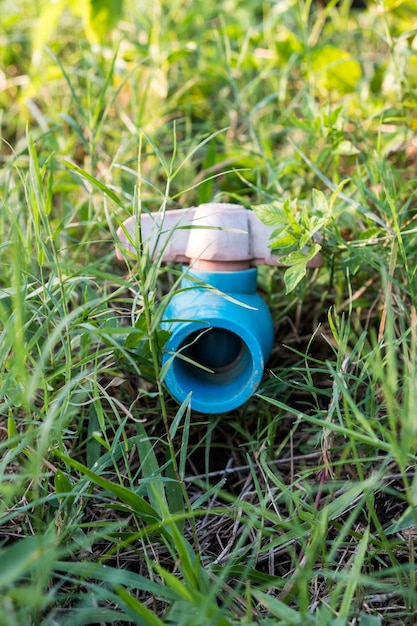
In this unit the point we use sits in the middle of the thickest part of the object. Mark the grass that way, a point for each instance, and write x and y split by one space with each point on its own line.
117 506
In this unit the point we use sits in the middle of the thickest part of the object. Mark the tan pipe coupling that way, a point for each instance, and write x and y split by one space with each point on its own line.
213 236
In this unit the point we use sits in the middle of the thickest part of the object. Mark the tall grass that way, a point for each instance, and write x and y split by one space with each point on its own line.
117 506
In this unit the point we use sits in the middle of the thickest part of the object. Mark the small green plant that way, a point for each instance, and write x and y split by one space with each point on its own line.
117 505
295 234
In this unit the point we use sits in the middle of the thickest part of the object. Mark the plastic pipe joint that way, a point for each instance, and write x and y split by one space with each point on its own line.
220 340
221 329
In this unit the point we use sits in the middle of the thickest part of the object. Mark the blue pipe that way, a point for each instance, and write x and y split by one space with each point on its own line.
221 337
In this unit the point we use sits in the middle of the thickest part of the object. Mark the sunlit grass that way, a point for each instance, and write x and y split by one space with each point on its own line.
116 505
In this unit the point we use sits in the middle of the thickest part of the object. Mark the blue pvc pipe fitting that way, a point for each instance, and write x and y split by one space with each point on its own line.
221 337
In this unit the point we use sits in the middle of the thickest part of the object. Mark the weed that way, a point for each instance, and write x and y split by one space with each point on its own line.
118 506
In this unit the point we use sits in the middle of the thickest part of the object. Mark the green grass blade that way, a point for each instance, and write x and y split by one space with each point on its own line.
125 495
139 612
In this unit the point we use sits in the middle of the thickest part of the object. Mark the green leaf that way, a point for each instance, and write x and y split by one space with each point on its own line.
22 556
115 577
63 487
150 468
61 483
174 494
184 441
335 70
77 6
125 495
346 148
93 446
320 203
186 592
287 44
94 181
294 275
285 241
44 27
99 17
192 596
205 188
189 565
138 333
141 614
12 433
370 235
298 256
297 261
337 191
269 214
352 581
279 609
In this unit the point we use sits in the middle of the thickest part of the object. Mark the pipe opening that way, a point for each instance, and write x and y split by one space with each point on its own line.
219 350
